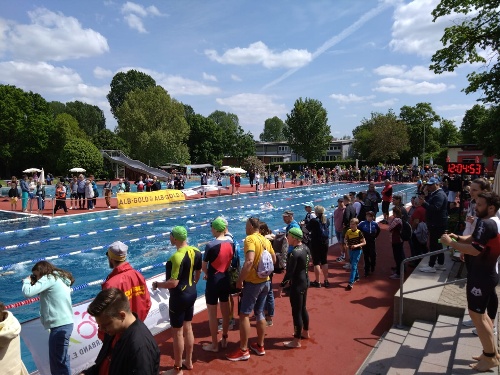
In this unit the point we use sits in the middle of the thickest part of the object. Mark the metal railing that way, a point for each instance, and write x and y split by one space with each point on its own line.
401 281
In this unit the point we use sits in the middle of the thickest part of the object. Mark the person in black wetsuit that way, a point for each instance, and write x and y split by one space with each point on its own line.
297 277
182 273
482 277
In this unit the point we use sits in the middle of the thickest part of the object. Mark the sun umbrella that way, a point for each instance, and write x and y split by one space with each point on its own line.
42 177
224 167
496 181
77 170
32 170
234 171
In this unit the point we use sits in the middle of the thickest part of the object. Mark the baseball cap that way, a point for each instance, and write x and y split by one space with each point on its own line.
117 251
219 225
309 204
288 213
179 233
296 233
432 181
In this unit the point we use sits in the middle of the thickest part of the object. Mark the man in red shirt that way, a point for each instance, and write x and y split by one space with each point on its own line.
386 200
125 278
418 243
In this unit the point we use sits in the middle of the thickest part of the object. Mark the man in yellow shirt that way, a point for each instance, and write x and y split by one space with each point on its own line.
254 291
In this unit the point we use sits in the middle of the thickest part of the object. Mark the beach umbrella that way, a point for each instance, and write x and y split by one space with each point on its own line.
496 181
234 171
32 170
42 177
224 167
77 170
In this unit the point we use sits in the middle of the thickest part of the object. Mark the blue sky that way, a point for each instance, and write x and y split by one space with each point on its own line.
251 58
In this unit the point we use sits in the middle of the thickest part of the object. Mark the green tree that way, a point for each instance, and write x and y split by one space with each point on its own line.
307 130
235 141
123 83
205 140
466 40
254 163
107 140
273 130
80 153
488 134
155 127
26 125
448 133
381 129
66 129
57 108
472 122
420 121
90 117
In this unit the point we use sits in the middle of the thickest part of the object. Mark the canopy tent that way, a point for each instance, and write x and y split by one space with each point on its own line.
234 171
77 170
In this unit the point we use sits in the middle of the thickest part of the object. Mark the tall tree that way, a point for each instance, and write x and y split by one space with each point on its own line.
26 124
123 83
472 122
205 140
90 117
381 129
420 121
466 41
488 134
80 153
154 125
273 130
448 133
235 142
57 108
107 140
307 130
66 129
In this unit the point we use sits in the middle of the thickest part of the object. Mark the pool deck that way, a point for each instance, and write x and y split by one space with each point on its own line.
344 325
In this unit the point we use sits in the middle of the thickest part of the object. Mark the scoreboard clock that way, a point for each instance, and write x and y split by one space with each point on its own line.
464 168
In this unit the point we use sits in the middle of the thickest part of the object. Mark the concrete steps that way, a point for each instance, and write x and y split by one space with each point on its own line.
443 347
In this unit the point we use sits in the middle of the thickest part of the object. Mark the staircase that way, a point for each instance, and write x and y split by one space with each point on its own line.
443 347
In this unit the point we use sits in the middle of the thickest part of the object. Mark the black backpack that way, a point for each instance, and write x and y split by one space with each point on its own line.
406 231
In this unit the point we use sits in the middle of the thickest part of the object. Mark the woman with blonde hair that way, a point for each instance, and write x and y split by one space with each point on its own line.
319 229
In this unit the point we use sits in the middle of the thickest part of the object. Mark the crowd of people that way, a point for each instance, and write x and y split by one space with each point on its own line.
124 302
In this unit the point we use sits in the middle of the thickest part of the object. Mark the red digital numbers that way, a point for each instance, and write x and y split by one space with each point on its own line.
464 168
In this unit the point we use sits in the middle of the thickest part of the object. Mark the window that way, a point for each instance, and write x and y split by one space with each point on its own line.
282 148
276 160
333 148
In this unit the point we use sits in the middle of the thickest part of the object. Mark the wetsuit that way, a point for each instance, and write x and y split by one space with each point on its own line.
218 254
297 276
181 266
483 276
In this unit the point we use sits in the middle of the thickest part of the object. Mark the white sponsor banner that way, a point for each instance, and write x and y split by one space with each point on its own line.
84 344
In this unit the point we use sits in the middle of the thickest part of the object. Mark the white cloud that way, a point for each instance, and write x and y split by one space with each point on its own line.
102 73
390 70
209 77
352 115
454 107
176 85
234 77
413 30
259 53
417 72
385 103
135 22
253 109
355 70
50 36
406 86
45 78
134 14
351 98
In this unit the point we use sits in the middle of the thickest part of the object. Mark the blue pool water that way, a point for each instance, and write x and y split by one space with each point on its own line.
147 227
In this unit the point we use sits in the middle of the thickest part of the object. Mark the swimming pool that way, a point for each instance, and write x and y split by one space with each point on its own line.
78 243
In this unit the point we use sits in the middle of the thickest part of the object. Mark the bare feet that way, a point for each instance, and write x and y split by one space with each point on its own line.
292 344
223 342
185 365
172 371
210 348
305 334
480 357
485 364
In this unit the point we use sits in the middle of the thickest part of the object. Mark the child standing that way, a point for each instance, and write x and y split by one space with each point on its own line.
14 196
370 230
395 227
355 241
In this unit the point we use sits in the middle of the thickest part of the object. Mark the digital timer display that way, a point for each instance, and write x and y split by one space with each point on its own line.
464 168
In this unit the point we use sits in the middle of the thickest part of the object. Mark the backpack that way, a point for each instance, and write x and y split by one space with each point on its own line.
406 231
324 229
234 271
265 267
422 233
280 246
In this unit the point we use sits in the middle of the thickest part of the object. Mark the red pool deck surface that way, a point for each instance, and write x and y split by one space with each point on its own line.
344 325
